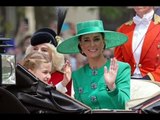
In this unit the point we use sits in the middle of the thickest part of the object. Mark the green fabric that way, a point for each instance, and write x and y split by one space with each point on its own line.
83 82
112 38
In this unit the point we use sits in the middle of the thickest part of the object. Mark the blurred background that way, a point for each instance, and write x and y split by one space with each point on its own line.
11 18
19 23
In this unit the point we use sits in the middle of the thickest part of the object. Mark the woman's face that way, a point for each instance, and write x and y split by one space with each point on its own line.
142 10
43 72
43 48
92 45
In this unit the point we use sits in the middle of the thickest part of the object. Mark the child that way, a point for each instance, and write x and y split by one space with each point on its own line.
40 65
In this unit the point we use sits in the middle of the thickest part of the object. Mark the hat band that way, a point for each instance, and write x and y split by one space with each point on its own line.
89 30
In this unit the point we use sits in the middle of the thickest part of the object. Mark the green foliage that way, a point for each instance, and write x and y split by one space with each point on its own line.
8 27
44 15
20 12
112 13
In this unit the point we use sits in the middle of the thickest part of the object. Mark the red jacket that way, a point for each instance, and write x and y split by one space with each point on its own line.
150 57
56 77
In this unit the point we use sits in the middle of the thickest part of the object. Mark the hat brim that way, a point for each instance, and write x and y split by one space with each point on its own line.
112 39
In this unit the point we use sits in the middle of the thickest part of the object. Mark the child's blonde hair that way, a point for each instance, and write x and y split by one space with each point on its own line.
33 60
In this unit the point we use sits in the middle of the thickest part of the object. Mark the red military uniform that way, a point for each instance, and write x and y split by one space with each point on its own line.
150 56
56 77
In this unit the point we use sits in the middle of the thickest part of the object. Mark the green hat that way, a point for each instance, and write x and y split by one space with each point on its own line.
112 39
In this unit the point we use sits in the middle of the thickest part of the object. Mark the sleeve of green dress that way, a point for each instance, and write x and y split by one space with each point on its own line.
121 94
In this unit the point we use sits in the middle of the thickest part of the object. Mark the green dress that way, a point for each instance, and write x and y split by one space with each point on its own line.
90 87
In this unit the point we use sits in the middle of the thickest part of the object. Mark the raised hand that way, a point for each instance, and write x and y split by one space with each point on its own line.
67 73
110 75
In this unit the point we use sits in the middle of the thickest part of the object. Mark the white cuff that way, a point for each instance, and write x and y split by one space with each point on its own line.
61 88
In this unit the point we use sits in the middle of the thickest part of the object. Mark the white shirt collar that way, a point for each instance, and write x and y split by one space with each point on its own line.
145 20
148 15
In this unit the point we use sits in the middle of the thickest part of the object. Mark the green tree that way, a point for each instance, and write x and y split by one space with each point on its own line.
113 17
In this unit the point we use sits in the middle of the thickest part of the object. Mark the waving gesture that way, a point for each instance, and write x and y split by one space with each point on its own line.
110 75
67 73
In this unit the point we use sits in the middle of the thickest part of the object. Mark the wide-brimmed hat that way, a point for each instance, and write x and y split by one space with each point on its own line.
44 35
112 38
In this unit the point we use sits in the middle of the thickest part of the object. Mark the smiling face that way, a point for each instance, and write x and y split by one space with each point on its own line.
92 45
42 48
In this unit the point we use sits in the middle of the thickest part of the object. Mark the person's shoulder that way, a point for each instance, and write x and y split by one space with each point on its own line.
128 23
80 70
124 67
77 73
157 18
123 64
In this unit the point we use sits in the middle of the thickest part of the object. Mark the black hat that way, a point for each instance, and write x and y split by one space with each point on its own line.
44 35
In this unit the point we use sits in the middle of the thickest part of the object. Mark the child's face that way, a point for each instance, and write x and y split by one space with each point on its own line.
43 72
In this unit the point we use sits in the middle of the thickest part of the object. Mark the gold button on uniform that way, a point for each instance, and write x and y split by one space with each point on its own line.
158 55
139 65
158 46
156 64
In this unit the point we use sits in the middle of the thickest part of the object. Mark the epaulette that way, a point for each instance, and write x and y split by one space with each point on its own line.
156 19
129 22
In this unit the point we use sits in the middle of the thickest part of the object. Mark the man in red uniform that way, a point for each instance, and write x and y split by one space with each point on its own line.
142 50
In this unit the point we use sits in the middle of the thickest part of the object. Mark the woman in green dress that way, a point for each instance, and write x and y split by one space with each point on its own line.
102 83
